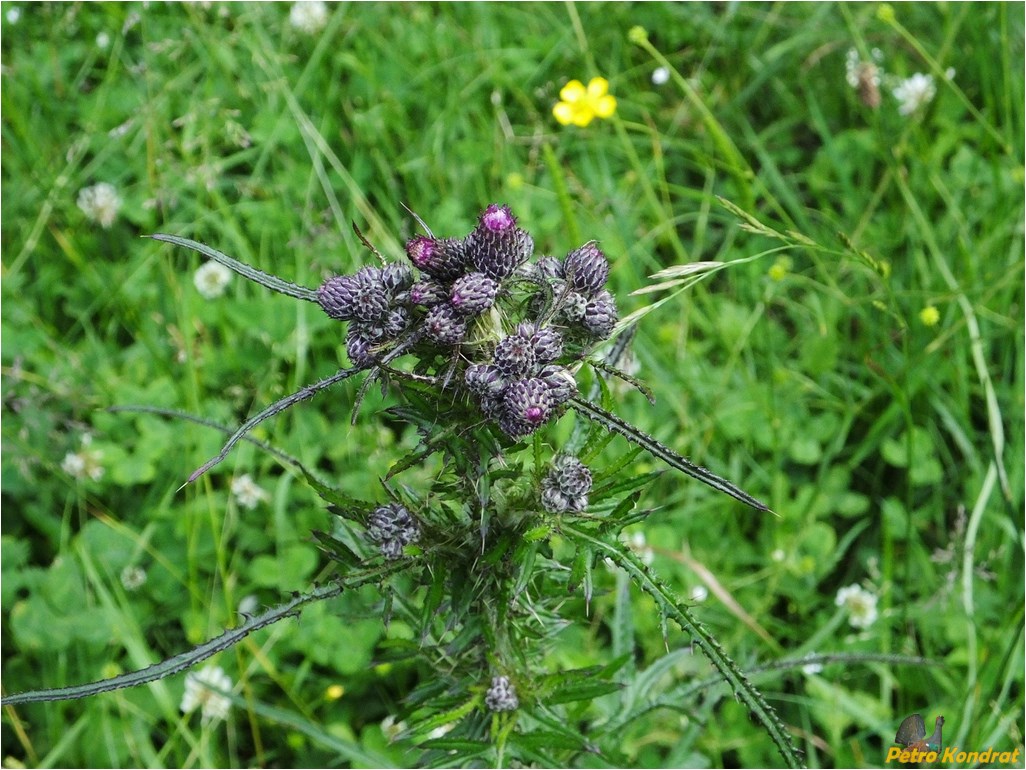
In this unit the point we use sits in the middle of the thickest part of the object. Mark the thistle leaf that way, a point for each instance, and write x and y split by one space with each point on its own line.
664 453
272 282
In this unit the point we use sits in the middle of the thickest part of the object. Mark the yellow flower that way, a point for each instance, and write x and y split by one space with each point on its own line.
780 269
929 315
580 105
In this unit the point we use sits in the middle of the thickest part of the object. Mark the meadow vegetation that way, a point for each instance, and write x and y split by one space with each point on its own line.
856 362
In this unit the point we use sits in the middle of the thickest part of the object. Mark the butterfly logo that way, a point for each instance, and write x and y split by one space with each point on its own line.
912 734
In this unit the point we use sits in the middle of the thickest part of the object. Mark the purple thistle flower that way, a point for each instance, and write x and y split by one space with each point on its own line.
336 296
359 346
496 247
561 382
547 343
396 277
428 293
444 326
600 315
550 267
473 294
527 406
587 269
514 356
484 380
443 258
359 297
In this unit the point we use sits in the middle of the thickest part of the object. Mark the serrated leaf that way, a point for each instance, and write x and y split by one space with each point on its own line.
664 453
336 549
549 739
444 718
337 497
582 691
579 568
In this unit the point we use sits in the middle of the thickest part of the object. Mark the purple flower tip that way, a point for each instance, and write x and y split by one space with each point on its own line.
497 218
534 414
420 249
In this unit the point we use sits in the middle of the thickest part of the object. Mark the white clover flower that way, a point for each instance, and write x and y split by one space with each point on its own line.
198 692
13 14
133 578
247 493
699 594
860 603
778 554
308 16
100 203
912 93
660 75
812 668
102 41
390 728
84 464
211 279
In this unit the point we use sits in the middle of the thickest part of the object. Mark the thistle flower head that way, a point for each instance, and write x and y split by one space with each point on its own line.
473 294
586 268
527 405
428 293
484 380
515 356
600 315
444 326
359 297
442 258
392 526
497 246
501 696
566 486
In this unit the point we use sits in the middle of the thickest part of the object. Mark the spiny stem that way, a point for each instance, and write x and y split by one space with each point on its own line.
278 406
272 282
664 453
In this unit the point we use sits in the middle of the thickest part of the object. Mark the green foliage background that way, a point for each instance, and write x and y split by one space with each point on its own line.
892 450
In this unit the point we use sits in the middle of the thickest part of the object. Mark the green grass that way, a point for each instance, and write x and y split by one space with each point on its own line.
890 449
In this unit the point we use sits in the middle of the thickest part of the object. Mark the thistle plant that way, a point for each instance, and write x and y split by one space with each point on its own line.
483 346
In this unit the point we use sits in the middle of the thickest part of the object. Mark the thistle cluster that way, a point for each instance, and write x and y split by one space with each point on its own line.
510 357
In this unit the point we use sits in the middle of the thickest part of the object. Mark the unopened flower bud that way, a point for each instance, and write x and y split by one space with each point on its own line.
600 315
586 269
527 406
442 258
396 277
359 346
501 696
473 293
444 326
514 356
484 380
496 247
428 293
393 526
